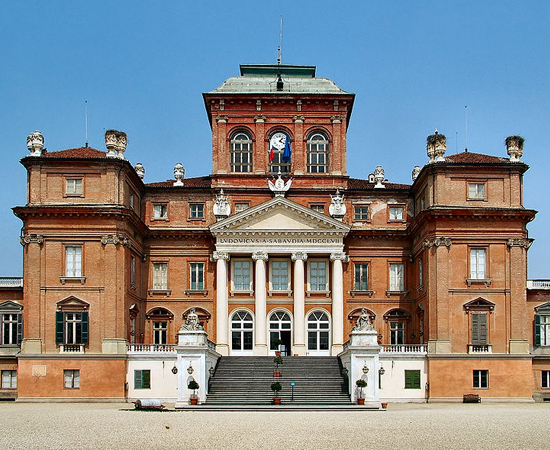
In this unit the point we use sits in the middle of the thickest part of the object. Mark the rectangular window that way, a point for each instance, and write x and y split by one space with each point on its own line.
479 328
160 276
71 328
279 276
396 213
361 277
12 329
73 186
142 379
318 208
481 379
397 280
542 330
397 333
131 201
196 211
73 261
160 211
241 275
71 379
476 191
545 382
9 379
318 276
478 263
361 212
412 379
132 270
197 276
160 330
241 207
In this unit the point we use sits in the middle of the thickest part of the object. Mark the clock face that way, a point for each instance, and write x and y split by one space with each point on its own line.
277 141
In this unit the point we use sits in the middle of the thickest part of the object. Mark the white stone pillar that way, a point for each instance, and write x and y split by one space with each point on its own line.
299 304
260 304
222 308
337 302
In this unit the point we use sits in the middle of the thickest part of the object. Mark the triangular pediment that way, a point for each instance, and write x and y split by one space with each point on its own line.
279 215
544 308
10 306
479 303
72 303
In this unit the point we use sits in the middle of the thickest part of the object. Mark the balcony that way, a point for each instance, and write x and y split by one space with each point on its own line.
404 348
71 348
480 348
538 284
11 282
151 348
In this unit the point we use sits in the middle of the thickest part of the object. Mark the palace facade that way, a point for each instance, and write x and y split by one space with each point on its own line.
278 249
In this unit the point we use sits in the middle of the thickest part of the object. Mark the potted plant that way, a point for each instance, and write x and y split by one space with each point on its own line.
276 387
360 383
276 343
277 360
193 385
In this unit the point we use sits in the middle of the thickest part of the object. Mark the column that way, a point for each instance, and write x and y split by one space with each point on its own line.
299 304
222 308
260 307
337 302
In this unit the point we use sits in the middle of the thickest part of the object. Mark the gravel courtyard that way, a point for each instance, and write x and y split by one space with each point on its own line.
423 426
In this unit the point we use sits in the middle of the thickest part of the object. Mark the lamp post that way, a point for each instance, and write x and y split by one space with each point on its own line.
381 372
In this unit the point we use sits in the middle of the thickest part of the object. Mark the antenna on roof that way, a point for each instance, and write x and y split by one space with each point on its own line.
86 120
279 50
466 128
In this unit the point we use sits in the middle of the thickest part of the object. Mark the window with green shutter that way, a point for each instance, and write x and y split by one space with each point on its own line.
72 328
412 379
479 328
142 379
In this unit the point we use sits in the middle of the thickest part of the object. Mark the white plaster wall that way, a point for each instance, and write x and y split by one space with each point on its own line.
164 384
392 387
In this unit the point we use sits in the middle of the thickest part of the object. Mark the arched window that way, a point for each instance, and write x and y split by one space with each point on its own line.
318 333
276 149
242 331
317 153
241 152
160 318
280 329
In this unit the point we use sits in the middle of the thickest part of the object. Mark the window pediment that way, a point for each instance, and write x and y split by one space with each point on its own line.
10 307
72 304
541 309
479 303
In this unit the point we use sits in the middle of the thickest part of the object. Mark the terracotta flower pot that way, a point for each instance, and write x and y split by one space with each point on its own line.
276 373
276 400
384 405
194 401
360 401
278 353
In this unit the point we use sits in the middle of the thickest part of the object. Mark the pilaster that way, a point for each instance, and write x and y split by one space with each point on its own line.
260 306
222 306
299 303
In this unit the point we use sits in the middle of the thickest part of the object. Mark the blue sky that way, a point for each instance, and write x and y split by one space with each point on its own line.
143 65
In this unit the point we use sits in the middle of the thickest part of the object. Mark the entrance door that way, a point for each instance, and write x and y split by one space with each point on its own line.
318 334
280 327
242 332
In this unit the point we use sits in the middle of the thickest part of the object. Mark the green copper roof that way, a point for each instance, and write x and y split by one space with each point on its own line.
262 79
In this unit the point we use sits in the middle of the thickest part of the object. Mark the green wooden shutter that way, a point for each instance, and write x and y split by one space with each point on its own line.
537 329
416 379
84 336
19 328
137 379
475 328
412 379
146 377
59 329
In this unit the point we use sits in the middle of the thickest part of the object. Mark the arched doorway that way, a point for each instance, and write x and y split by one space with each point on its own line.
318 334
242 333
280 328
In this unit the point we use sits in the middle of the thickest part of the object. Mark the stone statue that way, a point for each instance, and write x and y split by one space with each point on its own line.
337 208
363 322
222 208
192 322
279 188
179 173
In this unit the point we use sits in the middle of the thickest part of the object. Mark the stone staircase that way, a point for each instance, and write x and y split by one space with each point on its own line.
246 380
